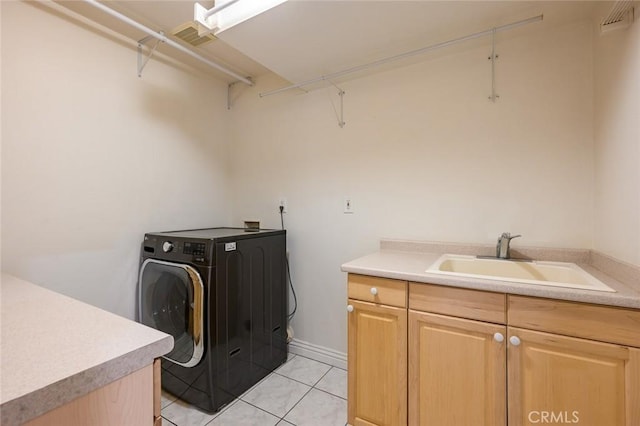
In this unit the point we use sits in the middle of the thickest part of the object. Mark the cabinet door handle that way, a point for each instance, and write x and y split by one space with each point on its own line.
498 337
515 340
374 291
349 308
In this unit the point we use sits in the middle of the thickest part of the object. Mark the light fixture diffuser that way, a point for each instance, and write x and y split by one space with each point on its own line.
229 13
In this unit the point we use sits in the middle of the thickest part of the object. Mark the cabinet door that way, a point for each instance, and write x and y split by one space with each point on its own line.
377 361
562 380
127 401
457 371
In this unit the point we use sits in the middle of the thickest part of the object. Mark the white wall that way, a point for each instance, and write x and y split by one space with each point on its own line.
424 155
93 156
617 142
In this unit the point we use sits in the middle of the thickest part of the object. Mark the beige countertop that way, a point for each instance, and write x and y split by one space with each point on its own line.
409 261
54 349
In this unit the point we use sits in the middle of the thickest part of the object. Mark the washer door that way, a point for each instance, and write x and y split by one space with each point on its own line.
171 300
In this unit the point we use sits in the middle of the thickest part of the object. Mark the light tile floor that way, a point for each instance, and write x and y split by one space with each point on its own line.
302 392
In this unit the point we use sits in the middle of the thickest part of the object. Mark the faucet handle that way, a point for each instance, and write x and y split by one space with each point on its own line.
502 248
508 236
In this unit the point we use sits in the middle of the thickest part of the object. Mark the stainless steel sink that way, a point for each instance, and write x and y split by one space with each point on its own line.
554 274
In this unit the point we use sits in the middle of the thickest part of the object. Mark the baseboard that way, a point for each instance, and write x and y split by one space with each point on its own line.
318 353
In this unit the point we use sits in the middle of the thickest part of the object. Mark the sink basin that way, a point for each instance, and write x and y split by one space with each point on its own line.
555 274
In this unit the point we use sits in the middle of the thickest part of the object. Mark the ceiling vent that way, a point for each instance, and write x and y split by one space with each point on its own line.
188 33
620 16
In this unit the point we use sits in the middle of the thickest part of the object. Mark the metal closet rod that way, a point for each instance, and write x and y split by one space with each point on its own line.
168 41
406 55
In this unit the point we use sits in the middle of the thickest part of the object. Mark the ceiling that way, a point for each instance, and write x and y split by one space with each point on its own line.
304 39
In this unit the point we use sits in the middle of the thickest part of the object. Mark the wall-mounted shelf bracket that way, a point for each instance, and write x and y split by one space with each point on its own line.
340 114
230 87
493 57
142 60
341 122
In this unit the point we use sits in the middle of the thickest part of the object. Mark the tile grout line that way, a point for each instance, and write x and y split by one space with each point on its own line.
175 398
318 381
280 418
315 386
226 407
329 393
306 393
283 376
248 403
295 405
321 362
263 410
166 419
297 381
215 415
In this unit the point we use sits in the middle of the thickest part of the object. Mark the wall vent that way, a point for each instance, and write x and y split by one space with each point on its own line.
188 32
620 16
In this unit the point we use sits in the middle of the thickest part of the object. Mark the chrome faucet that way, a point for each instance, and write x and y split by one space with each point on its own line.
502 249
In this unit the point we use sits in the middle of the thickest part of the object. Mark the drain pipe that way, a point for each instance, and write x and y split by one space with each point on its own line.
168 41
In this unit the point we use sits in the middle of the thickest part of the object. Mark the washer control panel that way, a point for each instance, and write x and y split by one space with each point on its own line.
177 249
195 249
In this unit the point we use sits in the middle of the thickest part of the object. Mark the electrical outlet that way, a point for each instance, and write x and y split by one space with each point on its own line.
347 206
282 203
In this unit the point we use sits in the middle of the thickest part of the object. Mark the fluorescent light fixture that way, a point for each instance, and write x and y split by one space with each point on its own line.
228 13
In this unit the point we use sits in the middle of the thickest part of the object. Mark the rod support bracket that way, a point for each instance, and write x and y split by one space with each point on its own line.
341 122
230 87
493 57
339 114
142 59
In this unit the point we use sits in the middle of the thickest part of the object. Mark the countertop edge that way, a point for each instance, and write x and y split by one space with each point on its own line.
41 401
626 297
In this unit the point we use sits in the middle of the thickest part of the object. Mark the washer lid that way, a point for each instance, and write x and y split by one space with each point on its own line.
216 233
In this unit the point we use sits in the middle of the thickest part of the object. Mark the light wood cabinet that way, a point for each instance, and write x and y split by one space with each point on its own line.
133 400
377 361
576 361
592 322
457 372
459 302
483 358
557 378
570 380
381 291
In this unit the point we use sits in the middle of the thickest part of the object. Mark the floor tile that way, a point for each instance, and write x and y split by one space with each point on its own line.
334 382
243 414
304 370
254 386
183 414
166 422
276 394
319 408
167 398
